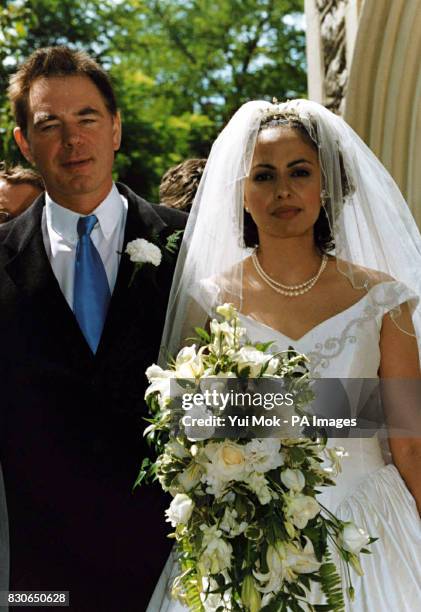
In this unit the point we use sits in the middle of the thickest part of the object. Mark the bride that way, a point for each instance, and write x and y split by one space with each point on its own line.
300 226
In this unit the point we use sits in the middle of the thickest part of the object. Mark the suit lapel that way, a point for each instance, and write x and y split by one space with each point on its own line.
30 270
28 266
128 304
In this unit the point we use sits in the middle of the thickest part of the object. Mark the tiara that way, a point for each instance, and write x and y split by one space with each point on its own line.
275 109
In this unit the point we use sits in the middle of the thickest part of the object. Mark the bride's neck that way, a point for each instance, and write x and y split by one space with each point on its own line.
289 260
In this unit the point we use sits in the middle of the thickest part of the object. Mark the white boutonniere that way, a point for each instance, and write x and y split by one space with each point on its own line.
143 252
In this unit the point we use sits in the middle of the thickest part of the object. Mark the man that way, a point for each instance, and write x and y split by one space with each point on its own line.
179 184
19 187
77 336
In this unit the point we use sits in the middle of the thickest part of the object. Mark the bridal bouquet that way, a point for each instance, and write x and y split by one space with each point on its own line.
250 532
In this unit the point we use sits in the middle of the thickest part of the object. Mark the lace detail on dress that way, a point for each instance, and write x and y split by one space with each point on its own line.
385 297
333 346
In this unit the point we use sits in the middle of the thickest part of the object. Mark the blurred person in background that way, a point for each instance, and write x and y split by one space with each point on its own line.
179 184
19 187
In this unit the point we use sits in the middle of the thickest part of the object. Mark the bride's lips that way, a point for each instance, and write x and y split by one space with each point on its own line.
286 212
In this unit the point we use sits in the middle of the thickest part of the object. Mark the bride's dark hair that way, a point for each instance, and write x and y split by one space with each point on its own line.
322 233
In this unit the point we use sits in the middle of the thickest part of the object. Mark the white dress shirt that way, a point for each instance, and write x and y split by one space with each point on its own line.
59 231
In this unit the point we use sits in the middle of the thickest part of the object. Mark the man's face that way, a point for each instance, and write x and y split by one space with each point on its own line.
15 198
71 139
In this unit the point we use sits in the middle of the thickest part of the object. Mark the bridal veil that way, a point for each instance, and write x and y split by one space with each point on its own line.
374 233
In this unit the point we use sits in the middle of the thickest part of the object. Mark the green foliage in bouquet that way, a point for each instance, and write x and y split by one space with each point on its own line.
250 532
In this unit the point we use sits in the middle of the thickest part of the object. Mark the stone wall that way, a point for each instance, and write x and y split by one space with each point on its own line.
332 34
331 29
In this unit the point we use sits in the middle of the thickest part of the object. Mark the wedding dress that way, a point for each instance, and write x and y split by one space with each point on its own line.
377 247
370 490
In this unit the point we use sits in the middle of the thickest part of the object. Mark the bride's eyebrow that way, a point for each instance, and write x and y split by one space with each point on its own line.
290 165
298 161
269 166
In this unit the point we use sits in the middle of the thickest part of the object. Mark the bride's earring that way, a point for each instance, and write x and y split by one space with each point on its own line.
324 196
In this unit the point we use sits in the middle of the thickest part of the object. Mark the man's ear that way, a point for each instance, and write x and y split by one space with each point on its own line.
116 130
23 144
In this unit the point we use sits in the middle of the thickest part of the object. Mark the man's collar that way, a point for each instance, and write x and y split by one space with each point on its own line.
63 221
143 220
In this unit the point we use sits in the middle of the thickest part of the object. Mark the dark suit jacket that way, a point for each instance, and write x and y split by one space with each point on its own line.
71 423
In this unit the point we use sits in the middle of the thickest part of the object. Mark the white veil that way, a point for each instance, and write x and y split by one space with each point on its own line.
370 222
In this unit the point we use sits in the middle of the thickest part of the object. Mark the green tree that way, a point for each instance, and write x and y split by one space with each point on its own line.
180 67
214 56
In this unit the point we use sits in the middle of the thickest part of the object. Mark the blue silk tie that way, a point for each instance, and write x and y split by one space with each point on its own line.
91 295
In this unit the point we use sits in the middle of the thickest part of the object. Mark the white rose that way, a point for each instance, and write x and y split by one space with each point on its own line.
188 363
249 357
230 460
353 538
142 251
301 509
180 510
293 479
223 462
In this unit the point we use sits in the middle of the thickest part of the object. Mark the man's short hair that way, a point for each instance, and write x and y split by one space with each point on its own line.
18 175
57 61
179 184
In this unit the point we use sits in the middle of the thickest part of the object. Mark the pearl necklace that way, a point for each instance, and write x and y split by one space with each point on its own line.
288 290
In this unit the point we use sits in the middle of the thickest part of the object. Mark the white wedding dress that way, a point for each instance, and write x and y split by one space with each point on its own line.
369 490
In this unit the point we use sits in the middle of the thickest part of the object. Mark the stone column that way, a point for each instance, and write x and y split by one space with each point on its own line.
383 101
331 31
364 63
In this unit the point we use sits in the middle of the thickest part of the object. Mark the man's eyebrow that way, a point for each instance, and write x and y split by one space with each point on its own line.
43 117
88 110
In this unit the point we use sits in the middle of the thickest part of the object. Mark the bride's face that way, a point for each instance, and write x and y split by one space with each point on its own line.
282 192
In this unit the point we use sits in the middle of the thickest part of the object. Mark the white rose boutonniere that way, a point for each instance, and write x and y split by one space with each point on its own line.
142 251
